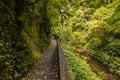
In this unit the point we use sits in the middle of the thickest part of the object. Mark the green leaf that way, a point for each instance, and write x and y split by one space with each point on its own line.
1 43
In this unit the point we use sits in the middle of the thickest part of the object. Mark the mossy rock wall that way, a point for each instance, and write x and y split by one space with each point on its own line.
24 34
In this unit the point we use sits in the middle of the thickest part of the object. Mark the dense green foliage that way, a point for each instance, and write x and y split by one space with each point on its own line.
26 27
103 39
95 27
19 30
80 70
25 30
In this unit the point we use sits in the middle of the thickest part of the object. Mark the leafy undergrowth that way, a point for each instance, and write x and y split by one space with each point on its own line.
80 70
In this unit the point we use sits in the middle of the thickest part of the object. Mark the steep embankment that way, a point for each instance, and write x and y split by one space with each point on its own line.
80 70
97 67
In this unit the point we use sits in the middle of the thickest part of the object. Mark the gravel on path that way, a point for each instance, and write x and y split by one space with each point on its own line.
46 68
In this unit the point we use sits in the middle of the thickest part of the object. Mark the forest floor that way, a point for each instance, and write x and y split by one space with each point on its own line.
46 68
97 67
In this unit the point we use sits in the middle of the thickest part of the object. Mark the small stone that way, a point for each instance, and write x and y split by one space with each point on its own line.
45 77
56 76
42 72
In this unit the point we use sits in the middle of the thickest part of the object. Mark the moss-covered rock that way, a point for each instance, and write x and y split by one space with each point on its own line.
24 34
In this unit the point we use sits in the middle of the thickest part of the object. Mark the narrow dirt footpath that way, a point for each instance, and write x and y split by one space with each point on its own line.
46 68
